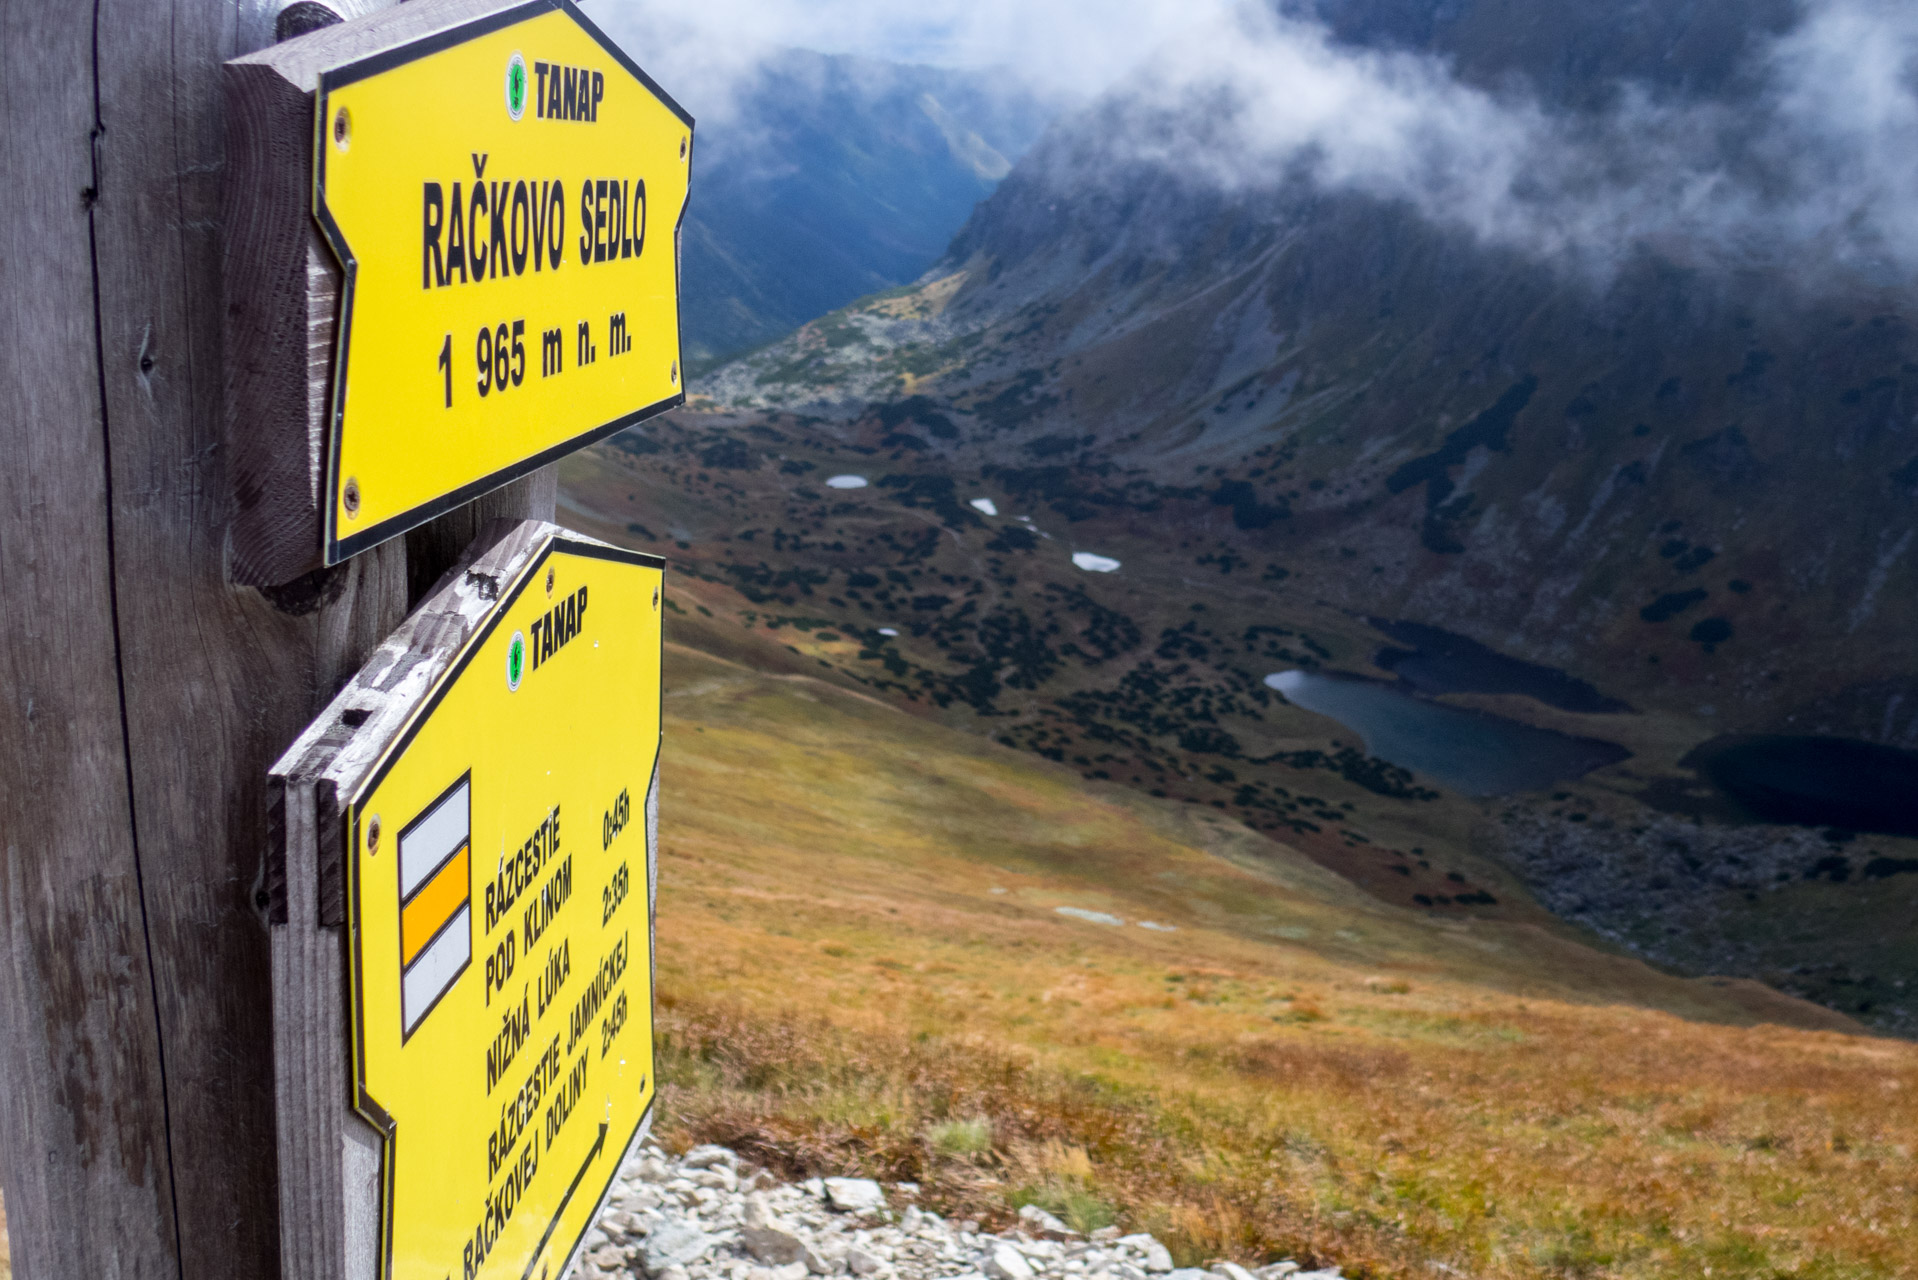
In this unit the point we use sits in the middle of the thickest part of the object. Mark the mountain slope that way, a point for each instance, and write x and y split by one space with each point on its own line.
829 177
861 938
1685 481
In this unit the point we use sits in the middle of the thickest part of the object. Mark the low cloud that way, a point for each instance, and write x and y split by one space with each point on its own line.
1816 169
1819 163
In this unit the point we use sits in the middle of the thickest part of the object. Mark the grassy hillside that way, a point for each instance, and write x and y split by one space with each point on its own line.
863 965
1151 677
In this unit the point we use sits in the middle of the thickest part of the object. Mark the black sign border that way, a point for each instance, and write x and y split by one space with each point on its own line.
335 549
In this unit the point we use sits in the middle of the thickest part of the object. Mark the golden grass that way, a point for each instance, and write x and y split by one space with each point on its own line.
859 943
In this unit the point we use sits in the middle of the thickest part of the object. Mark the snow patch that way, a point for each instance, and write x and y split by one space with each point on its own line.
1094 917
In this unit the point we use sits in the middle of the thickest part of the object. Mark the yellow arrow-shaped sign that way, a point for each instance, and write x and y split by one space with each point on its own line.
505 197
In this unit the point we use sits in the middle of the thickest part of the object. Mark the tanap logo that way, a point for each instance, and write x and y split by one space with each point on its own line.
515 661
516 85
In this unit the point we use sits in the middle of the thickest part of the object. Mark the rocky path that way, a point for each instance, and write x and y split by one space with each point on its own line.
705 1217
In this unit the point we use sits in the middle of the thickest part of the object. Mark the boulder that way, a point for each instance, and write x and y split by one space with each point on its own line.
854 1195
1157 1257
1007 1263
772 1245
707 1156
673 1243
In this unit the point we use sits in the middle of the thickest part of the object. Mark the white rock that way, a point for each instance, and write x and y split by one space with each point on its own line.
1007 1263
1094 564
1045 1224
653 1169
985 505
862 1263
772 1245
1232 1271
718 1176
1093 917
855 1195
1187 1273
674 1272
1327 1273
1278 1270
707 1156
846 482
825 1261
674 1243
1158 1258
813 1187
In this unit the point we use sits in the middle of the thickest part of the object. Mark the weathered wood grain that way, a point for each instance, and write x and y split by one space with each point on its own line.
145 694
82 1139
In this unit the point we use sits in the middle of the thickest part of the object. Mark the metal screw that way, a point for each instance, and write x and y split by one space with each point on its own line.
673 373
341 128
373 835
682 148
351 497
549 580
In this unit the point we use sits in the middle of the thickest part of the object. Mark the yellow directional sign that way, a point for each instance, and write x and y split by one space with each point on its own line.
501 936
505 198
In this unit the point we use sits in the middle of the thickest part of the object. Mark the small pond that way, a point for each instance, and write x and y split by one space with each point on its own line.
1467 751
1436 661
1815 781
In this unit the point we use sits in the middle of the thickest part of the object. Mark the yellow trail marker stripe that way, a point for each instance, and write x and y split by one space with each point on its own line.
435 904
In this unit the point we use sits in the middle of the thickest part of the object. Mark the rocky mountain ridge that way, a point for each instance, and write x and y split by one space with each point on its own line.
1693 487
1686 484
827 177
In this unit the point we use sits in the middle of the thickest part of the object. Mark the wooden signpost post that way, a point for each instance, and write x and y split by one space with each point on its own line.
232 470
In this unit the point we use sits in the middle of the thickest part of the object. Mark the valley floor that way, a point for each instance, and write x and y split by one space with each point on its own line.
873 928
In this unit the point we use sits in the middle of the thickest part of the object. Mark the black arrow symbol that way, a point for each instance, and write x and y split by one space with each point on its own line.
599 1145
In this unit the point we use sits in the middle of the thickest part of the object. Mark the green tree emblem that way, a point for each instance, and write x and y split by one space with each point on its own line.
516 86
515 661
